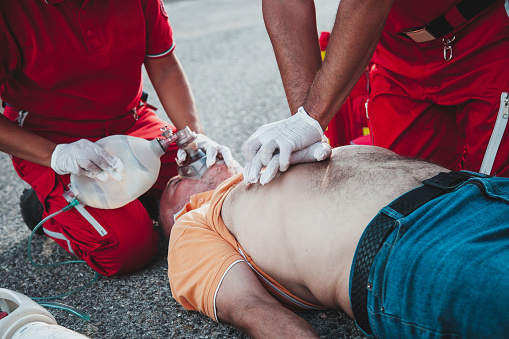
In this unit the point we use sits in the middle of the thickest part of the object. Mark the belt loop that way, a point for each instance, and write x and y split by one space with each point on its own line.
449 181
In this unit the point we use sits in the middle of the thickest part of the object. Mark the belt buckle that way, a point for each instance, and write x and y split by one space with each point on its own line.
420 35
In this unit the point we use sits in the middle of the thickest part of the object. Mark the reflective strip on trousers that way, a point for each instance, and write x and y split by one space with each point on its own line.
60 236
496 135
80 208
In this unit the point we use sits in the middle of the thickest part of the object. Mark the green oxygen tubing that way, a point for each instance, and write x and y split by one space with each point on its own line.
43 300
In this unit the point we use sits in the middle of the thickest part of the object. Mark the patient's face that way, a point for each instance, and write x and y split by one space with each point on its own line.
178 191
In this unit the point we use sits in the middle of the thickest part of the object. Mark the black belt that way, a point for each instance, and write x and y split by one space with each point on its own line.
379 228
464 11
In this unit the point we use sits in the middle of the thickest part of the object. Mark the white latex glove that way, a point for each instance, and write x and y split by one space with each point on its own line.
83 157
288 135
318 151
211 149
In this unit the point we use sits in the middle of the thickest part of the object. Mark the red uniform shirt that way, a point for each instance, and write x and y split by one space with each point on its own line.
78 60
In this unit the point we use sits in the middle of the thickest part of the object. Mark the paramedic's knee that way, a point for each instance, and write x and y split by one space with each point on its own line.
133 246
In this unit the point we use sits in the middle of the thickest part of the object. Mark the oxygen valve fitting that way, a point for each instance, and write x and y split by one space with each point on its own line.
167 138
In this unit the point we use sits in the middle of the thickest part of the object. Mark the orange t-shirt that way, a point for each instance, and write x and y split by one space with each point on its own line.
202 250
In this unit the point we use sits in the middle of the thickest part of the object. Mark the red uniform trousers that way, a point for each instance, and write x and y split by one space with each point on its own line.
445 111
131 241
348 126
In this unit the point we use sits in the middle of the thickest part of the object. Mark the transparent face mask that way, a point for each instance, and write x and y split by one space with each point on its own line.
195 164
194 170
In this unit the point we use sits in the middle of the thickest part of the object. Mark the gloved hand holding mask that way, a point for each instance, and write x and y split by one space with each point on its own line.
211 149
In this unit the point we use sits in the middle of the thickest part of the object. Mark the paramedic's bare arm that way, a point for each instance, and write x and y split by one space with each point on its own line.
24 144
174 91
356 32
243 302
291 25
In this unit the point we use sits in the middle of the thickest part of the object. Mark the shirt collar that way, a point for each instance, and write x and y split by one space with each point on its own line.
195 201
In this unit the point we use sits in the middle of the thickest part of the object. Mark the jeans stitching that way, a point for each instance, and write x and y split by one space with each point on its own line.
414 325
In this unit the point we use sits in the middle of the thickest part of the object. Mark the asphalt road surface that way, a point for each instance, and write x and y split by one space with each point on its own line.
229 60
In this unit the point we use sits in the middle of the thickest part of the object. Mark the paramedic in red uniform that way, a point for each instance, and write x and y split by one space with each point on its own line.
70 74
439 82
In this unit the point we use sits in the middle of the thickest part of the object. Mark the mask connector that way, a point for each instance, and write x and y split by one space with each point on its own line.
195 164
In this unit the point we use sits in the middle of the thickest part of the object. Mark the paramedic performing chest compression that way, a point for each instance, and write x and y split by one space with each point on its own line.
438 86
71 74
405 247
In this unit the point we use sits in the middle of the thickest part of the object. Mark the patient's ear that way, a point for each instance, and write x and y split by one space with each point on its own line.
169 205
166 220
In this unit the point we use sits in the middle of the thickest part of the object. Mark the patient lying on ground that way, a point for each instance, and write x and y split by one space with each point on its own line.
248 255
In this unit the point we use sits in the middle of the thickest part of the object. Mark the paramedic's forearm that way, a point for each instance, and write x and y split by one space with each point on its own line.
291 25
174 91
356 33
23 144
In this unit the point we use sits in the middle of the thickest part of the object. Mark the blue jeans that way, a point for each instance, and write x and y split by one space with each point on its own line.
444 271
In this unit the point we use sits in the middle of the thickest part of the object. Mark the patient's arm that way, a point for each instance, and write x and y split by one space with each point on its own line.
243 302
